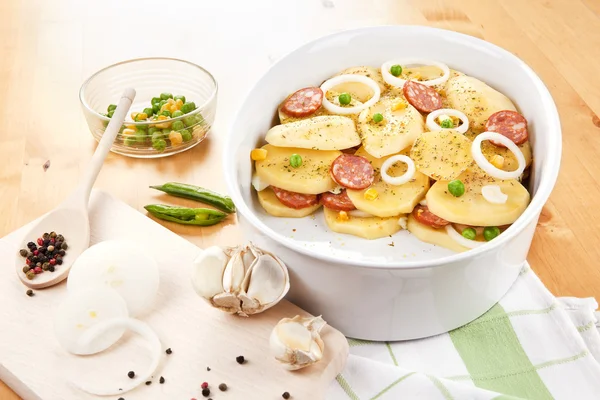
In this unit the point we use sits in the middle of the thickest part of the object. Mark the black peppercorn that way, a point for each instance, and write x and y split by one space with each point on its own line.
285 395
169 351
57 245
51 268
29 293
34 259
161 380
60 238
23 252
131 374
120 398
208 368
206 392
62 252
222 387
42 249
46 242
148 383
39 265
59 261
240 359
31 245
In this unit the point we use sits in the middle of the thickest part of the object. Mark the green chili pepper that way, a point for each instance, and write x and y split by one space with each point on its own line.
199 194
186 216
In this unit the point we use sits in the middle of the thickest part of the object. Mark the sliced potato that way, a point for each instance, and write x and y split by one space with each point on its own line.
273 206
398 130
427 234
442 154
368 228
476 99
312 177
286 119
360 91
490 150
331 132
471 208
392 200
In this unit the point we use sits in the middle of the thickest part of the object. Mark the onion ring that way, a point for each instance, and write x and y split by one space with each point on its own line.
460 239
493 194
335 109
398 180
433 126
490 169
399 82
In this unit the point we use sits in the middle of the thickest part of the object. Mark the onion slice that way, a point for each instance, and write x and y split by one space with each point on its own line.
335 109
434 126
460 239
398 180
399 82
490 169
403 222
493 194
259 184
136 326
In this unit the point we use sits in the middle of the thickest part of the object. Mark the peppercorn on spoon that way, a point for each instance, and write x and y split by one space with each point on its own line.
70 218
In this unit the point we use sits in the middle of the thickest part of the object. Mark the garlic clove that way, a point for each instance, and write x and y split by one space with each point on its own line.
296 342
207 277
228 302
236 270
267 283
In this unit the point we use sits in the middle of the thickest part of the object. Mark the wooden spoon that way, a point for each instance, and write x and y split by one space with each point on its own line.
70 218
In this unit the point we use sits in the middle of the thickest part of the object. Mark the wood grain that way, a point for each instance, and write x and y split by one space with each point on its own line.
48 48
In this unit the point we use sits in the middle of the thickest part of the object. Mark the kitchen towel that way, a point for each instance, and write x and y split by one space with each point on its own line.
531 345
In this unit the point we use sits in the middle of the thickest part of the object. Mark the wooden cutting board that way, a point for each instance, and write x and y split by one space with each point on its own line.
34 365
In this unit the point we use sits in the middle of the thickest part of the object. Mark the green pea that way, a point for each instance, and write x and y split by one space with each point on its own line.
447 124
490 232
178 125
166 96
396 70
166 131
456 188
377 118
141 136
112 107
152 130
345 99
188 107
166 113
143 128
149 111
177 113
199 118
158 135
110 113
469 233
130 140
182 98
159 145
155 108
295 160
155 100
189 121
186 135
162 103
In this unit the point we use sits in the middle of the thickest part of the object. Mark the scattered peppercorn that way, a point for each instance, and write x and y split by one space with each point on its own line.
222 387
46 236
40 241
50 248
23 252
50 252
131 374
240 359
148 383
208 368
26 269
30 275
285 395
161 380
52 235
60 238
169 351
120 398
30 293
206 392
62 252
204 385
45 266
51 268
59 261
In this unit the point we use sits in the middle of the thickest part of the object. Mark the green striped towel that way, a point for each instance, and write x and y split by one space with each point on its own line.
530 345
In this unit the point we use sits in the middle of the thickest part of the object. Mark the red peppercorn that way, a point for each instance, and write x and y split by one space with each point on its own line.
37 270
204 385
52 261
27 261
36 252
40 242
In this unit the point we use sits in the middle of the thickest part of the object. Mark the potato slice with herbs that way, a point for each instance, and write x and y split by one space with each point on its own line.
427 234
442 154
472 208
509 161
286 119
311 177
368 228
360 91
392 199
273 206
331 132
401 125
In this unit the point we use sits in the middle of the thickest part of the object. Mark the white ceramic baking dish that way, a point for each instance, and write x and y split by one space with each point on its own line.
370 289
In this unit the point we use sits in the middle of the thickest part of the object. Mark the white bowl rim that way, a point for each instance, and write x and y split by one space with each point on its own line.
551 166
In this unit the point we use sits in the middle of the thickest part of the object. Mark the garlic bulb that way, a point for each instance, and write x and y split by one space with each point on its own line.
242 280
296 343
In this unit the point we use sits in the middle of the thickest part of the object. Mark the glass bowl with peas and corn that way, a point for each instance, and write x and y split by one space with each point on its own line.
173 111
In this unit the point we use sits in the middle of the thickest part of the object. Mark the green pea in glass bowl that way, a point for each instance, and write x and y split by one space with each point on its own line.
173 111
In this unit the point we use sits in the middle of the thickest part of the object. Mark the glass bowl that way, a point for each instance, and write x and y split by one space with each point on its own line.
192 90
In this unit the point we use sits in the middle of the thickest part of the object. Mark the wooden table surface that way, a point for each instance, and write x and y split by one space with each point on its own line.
48 48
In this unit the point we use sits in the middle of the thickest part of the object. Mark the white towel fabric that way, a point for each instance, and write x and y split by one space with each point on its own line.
530 345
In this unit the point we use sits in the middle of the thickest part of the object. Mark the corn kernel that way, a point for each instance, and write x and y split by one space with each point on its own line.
165 106
133 115
399 105
162 117
371 194
131 127
170 101
173 108
164 125
497 161
128 132
258 154
179 103
175 138
141 116
343 216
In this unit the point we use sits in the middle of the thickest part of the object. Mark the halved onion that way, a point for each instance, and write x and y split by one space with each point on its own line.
104 328
399 82
335 109
493 194
402 179
460 239
434 126
488 167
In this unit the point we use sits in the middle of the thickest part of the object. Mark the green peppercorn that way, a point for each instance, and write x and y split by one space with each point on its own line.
396 70
23 252
46 266
456 188
53 235
447 124
469 233
26 269
490 232
345 99
377 118
64 246
30 275
295 160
